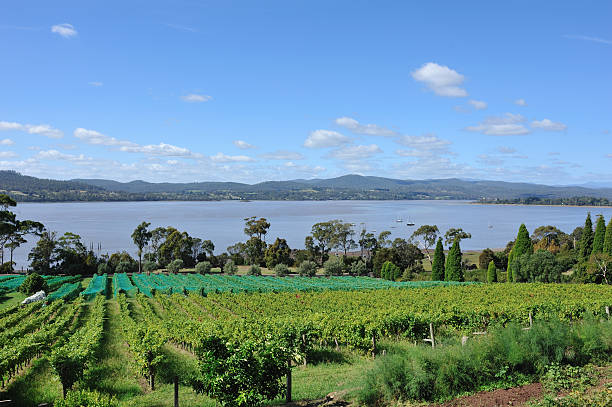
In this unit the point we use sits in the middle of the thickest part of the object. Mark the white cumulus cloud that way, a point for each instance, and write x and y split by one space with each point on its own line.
367 129
478 104
325 138
8 154
65 30
6 142
243 144
353 153
39 129
196 98
222 158
282 155
548 125
442 80
506 125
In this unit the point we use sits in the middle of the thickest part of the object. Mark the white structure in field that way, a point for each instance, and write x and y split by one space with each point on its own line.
36 297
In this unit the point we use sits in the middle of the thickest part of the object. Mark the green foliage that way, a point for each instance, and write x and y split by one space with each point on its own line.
175 266
522 245
453 234
203 267
563 377
86 398
104 268
454 270
141 237
492 273
359 268
390 271
230 267
281 270
277 253
600 234
542 266
334 266
307 268
586 241
240 375
608 239
33 283
43 256
254 270
125 267
437 267
149 266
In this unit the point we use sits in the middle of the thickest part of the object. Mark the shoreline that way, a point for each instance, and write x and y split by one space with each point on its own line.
550 205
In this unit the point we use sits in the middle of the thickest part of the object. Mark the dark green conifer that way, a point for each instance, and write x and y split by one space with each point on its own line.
600 234
492 273
586 242
522 245
608 239
437 267
453 271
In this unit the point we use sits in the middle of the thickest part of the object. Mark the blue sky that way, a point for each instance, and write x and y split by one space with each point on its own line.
252 91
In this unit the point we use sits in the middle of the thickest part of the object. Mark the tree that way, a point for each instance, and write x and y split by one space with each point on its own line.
426 236
522 245
486 256
359 268
437 266
33 284
203 267
254 270
586 241
608 239
141 238
383 240
277 253
454 270
241 375
334 266
256 227
307 268
255 250
539 267
325 236
600 235
175 266
550 238
73 257
492 272
43 257
406 255
380 257
344 237
281 270
390 271
367 243
453 234
230 267
600 267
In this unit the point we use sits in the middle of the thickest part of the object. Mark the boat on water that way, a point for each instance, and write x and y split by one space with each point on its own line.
410 222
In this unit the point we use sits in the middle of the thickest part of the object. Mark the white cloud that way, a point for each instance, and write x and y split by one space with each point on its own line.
8 154
6 142
65 30
59 156
589 38
162 149
353 153
507 125
222 158
478 104
506 150
425 142
548 125
325 138
39 129
243 144
195 98
367 129
282 155
520 102
443 80
96 84
489 160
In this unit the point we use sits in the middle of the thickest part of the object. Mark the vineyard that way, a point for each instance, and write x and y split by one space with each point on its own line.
158 321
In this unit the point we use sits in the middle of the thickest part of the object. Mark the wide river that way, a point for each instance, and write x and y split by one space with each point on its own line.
110 224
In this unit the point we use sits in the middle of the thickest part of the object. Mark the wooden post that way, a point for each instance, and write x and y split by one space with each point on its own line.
431 339
288 381
530 319
464 340
176 398
608 311
373 345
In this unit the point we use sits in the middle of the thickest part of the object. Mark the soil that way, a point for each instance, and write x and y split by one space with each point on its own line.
515 396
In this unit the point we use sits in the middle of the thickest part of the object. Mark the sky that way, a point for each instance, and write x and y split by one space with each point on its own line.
183 91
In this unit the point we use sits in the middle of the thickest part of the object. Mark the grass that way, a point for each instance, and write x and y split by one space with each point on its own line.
10 299
39 384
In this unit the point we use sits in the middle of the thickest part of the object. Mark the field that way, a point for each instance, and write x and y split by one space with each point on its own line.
336 325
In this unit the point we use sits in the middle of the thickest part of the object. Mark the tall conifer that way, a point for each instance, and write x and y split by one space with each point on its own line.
492 273
453 270
586 242
608 239
600 234
522 244
437 267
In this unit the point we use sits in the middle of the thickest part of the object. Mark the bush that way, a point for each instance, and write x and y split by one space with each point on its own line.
307 268
230 267
390 271
175 266
32 284
104 268
254 270
334 266
124 267
203 267
7 268
149 266
86 398
281 270
359 268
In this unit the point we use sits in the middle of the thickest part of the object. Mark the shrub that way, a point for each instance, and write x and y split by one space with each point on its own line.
33 283
203 267
390 271
491 272
359 268
175 266
149 266
125 267
307 268
230 267
86 398
254 270
334 266
281 270
7 268
104 268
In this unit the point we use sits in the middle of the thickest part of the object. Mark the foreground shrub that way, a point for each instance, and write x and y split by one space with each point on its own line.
307 268
254 270
33 283
175 266
86 398
126 267
506 356
203 267
230 267
281 270
334 266
359 268
149 266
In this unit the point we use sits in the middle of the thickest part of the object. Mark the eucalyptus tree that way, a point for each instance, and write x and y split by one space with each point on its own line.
141 238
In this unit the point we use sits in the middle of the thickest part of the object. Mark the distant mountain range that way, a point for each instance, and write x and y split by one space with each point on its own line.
26 188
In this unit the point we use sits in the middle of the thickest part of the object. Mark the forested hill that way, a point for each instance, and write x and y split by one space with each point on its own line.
25 188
